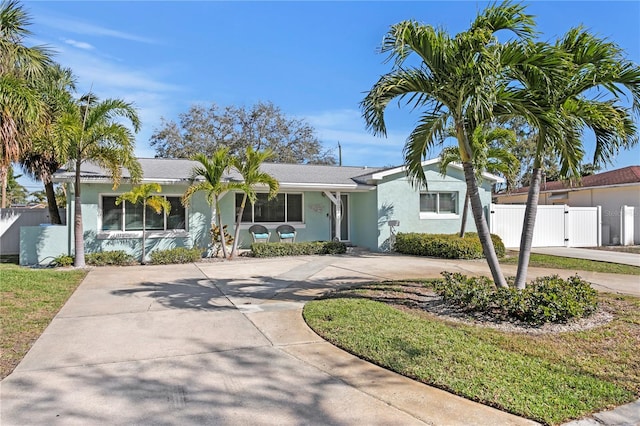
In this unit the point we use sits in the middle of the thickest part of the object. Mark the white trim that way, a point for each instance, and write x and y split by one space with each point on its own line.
274 225
125 235
431 215
381 175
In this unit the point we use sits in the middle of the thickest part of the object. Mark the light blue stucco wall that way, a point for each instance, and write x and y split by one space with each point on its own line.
400 201
37 243
316 226
41 244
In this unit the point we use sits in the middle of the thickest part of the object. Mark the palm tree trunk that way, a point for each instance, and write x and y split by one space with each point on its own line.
223 240
54 212
78 237
529 222
481 225
144 231
3 179
236 237
465 213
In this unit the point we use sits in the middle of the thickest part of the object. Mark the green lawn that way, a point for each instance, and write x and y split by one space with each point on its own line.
29 299
558 262
548 378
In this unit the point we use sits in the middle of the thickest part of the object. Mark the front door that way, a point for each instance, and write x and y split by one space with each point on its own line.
344 219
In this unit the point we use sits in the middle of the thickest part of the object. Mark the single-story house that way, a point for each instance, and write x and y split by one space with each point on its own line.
351 204
611 190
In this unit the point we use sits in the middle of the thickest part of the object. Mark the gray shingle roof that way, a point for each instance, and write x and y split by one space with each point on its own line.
163 169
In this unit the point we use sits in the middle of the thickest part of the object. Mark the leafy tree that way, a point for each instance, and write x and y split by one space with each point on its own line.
211 171
249 168
20 66
38 196
458 82
264 126
44 158
572 103
488 156
144 194
92 131
16 193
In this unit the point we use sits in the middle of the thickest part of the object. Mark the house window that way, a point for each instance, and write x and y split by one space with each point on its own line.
282 208
439 202
128 217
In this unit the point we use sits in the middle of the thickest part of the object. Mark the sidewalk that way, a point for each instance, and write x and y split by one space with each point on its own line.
225 343
610 256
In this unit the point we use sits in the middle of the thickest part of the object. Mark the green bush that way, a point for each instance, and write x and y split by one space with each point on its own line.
297 249
546 299
115 257
63 260
176 255
447 246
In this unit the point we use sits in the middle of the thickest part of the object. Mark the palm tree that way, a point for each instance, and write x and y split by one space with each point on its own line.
43 159
144 194
249 168
460 82
211 171
89 131
595 66
20 66
487 156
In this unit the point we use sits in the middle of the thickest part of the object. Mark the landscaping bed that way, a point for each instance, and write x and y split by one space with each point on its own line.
549 373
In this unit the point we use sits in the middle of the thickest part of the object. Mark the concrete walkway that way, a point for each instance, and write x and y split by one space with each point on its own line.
224 343
610 256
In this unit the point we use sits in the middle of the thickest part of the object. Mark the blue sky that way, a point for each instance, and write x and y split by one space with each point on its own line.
315 60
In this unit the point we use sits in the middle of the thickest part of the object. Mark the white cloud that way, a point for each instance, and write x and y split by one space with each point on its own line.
79 27
79 44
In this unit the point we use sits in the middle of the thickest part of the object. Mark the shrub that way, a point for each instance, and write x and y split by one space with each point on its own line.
176 255
115 257
63 260
297 249
447 246
546 299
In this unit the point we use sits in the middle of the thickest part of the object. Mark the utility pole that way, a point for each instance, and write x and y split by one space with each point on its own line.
339 154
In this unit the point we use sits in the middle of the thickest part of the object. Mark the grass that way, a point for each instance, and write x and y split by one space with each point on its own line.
549 378
29 300
558 262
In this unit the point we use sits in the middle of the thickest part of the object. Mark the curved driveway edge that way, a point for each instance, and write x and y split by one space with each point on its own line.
221 343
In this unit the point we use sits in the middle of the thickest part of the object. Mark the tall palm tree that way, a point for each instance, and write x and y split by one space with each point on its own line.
595 67
91 131
20 66
249 168
211 171
146 194
459 82
44 157
488 156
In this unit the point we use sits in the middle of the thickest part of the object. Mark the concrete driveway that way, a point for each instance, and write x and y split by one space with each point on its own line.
221 343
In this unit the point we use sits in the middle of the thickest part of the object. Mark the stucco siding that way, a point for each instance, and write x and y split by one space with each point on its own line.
39 245
401 201
367 220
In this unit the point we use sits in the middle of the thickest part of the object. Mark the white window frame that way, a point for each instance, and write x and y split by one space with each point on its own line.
122 234
437 214
286 201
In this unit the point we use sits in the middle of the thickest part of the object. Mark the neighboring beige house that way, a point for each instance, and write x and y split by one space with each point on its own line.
611 190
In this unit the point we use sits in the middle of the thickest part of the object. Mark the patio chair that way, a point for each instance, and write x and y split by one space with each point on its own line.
259 233
287 233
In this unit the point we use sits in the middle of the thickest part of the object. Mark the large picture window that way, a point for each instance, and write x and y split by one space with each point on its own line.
282 208
128 217
439 202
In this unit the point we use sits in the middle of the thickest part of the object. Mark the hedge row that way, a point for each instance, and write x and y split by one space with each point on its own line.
175 255
546 299
297 249
447 246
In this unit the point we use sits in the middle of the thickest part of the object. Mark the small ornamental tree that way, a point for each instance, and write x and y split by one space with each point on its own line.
144 194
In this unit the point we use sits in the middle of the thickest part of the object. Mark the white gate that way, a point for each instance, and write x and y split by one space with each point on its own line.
556 226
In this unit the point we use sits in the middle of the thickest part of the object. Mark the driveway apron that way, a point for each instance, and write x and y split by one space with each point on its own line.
220 343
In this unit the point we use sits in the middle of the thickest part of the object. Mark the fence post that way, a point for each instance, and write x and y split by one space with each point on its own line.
626 225
567 226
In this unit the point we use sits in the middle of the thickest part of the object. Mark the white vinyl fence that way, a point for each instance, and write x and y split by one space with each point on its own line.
11 219
556 226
